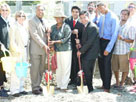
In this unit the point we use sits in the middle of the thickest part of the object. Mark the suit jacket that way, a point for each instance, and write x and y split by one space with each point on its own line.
90 42
4 37
37 36
78 26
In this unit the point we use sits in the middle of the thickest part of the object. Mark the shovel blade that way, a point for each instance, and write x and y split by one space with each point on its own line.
82 89
49 90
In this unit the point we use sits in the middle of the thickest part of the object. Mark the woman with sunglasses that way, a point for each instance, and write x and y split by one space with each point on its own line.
18 47
132 10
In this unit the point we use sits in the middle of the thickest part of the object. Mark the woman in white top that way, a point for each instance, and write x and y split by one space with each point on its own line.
18 48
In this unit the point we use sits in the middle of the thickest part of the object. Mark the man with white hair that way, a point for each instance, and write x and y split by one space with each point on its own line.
38 48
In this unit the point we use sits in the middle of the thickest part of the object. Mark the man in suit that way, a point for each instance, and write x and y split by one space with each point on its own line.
89 48
4 41
38 48
76 28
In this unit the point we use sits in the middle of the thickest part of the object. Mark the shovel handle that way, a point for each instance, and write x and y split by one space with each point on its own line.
48 54
79 62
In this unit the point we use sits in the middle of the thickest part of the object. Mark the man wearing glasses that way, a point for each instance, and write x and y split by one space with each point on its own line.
4 41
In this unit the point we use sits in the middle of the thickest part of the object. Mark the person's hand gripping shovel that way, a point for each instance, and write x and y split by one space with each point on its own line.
81 89
48 74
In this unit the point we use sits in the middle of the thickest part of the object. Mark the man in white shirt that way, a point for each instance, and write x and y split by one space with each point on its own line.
91 11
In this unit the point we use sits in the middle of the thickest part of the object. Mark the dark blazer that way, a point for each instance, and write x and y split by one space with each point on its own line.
90 42
4 37
78 26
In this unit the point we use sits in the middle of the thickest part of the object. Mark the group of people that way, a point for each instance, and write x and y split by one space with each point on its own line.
89 35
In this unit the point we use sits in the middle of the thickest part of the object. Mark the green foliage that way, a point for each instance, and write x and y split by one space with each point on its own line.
25 3
30 2
11 3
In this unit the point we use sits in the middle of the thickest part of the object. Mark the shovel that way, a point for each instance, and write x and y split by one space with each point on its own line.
49 88
81 89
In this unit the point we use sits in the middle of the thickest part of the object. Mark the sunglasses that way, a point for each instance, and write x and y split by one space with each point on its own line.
4 10
21 16
131 7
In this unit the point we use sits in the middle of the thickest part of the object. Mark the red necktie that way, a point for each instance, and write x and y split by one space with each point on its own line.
74 23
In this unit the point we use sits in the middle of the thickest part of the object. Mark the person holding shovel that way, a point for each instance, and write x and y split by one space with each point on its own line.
60 38
89 48
38 48
76 27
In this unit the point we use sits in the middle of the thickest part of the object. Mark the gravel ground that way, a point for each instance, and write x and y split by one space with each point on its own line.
72 96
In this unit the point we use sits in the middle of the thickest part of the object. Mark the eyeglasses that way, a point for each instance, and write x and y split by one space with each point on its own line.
131 7
4 10
21 16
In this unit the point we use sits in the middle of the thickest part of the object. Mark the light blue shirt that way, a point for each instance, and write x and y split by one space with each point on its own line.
111 26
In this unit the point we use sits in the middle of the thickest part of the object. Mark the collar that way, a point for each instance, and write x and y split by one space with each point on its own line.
86 24
75 19
19 24
108 13
6 20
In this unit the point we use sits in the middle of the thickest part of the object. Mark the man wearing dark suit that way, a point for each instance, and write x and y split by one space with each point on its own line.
89 48
76 28
4 41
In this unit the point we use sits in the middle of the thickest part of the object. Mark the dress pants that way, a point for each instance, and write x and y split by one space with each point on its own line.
88 67
104 63
36 70
2 75
2 72
63 68
74 67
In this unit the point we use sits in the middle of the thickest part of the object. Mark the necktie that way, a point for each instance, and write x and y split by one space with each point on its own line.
102 29
74 23
42 23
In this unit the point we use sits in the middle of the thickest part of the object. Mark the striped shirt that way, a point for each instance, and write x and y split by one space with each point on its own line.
127 32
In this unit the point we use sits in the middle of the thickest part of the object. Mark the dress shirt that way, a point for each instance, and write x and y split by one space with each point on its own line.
110 31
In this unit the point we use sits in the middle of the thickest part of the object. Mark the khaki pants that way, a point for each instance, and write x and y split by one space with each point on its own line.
36 70
17 84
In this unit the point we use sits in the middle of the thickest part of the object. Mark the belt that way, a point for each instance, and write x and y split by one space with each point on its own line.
104 39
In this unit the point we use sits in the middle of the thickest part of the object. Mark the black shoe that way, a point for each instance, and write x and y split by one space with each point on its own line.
41 90
16 95
134 83
90 90
23 93
70 83
36 92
